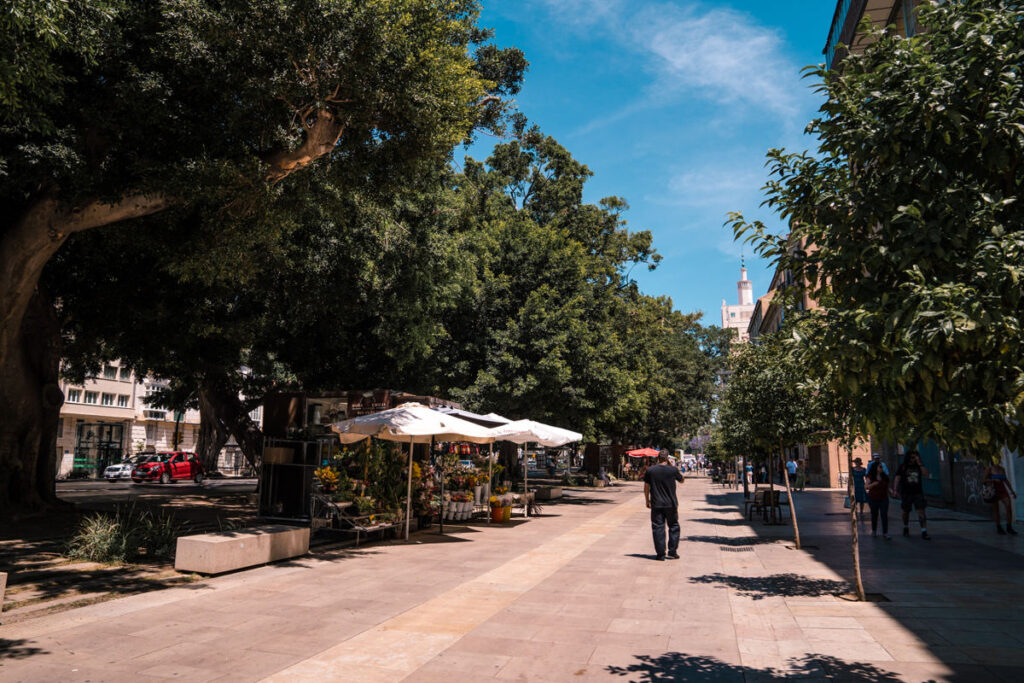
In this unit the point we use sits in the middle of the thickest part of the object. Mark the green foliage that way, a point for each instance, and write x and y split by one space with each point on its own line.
912 205
764 405
544 319
125 536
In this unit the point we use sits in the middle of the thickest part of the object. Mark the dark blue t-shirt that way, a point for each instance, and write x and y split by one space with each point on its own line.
662 480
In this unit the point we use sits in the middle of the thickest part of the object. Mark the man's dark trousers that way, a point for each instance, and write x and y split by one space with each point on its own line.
659 518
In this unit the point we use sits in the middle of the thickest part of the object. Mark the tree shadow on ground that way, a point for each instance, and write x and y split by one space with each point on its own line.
723 499
579 500
776 585
18 649
738 542
721 522
115 579
678 666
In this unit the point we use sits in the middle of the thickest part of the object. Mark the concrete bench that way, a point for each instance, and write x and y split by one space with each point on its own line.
548 492
226 551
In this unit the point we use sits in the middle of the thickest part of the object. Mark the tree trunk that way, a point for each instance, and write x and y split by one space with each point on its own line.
227 408
789 494
854 530
212 434
30 401
30 395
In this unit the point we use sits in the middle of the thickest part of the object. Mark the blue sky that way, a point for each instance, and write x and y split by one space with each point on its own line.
673 104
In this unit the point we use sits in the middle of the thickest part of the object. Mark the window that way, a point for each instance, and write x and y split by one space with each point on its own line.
151 432
74 395
107 399
91 396
732 315
109 372
60 426
126 374
122 401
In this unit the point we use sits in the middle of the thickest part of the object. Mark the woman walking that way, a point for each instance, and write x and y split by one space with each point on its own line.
860 494
877 490
995 476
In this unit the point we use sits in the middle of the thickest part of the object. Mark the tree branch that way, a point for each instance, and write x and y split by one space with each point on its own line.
321 137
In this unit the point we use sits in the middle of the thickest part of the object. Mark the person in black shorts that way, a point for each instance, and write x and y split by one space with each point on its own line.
660 494
909 485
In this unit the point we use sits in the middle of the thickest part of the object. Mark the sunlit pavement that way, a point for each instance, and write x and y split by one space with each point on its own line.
572 595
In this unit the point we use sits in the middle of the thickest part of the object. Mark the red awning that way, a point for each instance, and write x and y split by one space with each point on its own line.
643 453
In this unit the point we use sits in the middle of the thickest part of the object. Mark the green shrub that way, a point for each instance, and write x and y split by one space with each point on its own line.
125 536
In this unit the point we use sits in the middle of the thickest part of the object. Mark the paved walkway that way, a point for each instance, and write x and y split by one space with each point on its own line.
571 595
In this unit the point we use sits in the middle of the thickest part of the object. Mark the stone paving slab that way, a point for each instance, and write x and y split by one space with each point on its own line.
573 594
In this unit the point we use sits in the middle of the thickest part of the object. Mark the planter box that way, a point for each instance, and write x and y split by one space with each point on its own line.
226 551
548 492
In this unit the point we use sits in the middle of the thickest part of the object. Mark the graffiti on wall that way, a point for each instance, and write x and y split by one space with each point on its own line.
968 487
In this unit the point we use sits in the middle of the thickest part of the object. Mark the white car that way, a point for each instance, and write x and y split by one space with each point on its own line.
123 469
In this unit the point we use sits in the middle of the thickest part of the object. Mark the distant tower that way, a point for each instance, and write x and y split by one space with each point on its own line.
737 316
744 288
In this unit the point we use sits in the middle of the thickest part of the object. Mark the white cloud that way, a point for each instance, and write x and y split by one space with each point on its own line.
692 51
720 55
714 186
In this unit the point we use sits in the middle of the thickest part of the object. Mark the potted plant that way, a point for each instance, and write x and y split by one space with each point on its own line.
497 509
364 505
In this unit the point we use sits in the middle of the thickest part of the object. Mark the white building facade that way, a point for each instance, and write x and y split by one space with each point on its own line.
737 316
106 418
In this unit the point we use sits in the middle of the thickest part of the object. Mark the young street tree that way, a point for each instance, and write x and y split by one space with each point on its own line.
211 112
908 225
765 407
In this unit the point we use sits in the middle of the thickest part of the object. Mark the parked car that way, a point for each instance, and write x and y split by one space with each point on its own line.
169 466
124 469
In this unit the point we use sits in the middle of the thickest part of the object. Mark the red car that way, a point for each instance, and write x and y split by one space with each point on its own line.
169 466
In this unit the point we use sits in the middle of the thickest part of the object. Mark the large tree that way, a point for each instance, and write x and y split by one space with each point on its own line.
907 225
545 320
204 114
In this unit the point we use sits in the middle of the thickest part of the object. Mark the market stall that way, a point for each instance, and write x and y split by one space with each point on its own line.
410 423
529 431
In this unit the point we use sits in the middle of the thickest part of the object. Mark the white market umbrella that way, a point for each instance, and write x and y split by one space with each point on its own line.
530 431
412 423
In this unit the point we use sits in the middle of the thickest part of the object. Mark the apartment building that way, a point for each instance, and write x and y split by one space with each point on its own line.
107 417
846 19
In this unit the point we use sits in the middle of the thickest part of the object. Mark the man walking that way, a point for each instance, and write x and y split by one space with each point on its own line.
909 484
660 494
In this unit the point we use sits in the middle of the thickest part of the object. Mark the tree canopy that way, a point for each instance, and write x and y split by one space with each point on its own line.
907 225
210 118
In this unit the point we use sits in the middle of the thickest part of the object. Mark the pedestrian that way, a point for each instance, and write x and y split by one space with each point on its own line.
764 474
801 475
995 476
877 486
909 488
791 469
875 457
660 493
860 494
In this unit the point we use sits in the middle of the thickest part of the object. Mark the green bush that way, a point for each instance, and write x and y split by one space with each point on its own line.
125 536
